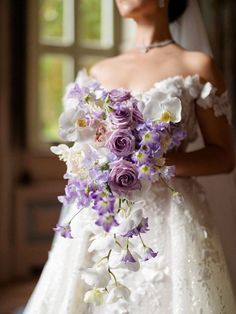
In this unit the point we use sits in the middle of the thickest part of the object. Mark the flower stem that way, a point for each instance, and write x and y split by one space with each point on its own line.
75 215
113 275
144 245
169 187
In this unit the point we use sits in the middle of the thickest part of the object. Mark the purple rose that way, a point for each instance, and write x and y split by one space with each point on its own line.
119 95
124 177
121 142
137 114
121 117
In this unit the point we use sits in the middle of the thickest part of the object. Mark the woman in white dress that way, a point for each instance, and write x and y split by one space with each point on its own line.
190 275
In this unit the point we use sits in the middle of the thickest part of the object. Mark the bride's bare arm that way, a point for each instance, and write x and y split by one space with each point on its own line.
218 155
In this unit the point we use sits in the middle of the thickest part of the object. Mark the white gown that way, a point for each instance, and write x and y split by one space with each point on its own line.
189 275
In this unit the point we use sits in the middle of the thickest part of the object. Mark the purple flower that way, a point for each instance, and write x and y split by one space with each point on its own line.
119 95
149 253
137 114
64 230
103 202
121 143
121 117
177 136
123 177
75 92
106 221
141 228
127 257
140 157
146 172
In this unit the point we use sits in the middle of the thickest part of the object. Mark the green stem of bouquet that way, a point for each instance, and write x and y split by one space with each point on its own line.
144 245
169 187
75 215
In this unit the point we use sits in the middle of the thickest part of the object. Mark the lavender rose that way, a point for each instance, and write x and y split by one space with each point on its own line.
119 95
123 177
121 117
121 143
137 114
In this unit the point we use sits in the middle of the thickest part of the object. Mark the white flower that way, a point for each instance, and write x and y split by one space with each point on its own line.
61 150
94 296
118 292
74 158
115 261
73 126
98 277
101 243
130 222
83 78
163 109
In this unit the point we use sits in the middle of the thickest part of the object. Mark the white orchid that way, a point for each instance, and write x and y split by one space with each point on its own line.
102 243
163 109
125 259
116 292
130 222
98 277
73 126
94 296
73 157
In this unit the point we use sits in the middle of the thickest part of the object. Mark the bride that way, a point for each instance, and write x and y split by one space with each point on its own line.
190 275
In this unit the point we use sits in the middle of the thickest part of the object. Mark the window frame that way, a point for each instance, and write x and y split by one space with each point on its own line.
37 48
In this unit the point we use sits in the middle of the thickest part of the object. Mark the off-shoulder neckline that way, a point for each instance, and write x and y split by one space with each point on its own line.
195 78
156 83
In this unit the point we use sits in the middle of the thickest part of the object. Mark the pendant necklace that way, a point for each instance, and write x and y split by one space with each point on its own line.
157 44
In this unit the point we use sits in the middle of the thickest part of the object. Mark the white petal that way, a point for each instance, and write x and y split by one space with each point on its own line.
174 106
102 243
96 277
94 296
206 90
118 292
60 149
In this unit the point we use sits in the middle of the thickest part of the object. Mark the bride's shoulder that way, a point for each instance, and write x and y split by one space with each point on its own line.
205 66
102 69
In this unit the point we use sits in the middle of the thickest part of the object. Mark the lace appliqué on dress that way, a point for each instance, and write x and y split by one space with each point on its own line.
219 103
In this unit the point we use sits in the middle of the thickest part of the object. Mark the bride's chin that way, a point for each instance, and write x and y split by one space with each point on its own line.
128 8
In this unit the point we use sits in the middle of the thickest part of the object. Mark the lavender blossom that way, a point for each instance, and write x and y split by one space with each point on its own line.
127 257
64 230
103 202
106 221
148 254
141 228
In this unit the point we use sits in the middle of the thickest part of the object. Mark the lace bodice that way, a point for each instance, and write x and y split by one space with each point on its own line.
191 92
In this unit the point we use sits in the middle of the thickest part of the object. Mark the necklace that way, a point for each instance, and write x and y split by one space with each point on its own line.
157 44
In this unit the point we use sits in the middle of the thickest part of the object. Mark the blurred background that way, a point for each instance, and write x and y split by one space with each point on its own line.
43 43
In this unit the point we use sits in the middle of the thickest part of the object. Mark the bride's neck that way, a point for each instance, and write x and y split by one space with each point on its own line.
152 29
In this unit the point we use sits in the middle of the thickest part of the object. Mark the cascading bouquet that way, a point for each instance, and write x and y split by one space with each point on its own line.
118 150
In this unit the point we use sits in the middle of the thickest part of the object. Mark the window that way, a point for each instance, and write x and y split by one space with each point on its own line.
64 36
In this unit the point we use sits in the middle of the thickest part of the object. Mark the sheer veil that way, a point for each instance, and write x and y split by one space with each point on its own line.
189 31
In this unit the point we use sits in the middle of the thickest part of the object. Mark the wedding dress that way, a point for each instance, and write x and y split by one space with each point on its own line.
189 275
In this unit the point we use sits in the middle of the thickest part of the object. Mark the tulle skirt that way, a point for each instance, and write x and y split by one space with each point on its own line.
189 275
